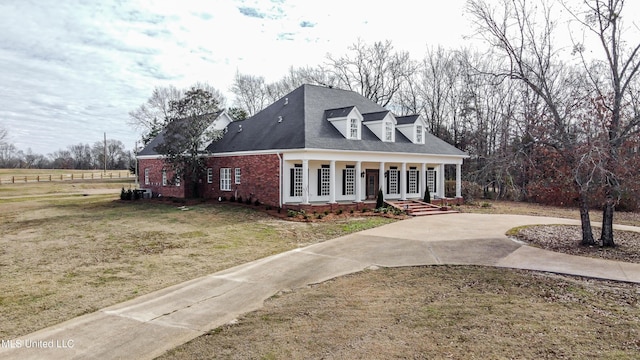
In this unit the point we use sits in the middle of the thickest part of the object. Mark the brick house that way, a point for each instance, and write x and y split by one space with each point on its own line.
317 146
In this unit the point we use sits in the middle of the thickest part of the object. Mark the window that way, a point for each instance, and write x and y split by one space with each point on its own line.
164 177
353 128
209 175
296 180
324 181
146 176
431 180
237 176
393 181
225 179
412 180
388 131
349 181
419 134
177 180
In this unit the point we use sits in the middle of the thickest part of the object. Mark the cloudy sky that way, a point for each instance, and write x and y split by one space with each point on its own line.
71 70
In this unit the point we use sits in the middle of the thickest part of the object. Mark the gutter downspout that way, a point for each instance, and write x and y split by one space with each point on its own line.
280 180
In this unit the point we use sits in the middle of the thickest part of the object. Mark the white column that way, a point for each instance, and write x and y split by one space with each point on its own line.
381 180
441 191
305 181
423 179
332 182
458 180
403 181
358 181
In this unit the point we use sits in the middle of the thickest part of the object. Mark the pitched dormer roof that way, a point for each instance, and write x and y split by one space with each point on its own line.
376 116
339 113
406 120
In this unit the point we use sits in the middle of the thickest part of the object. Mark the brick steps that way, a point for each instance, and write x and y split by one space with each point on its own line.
419 208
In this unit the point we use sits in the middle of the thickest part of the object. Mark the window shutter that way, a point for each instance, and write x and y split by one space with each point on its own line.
387 178
407 181
291 181
319 187
344 182
435 181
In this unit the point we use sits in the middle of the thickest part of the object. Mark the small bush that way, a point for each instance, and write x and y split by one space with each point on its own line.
339 212
239 199
427 195
291 213
256 203
268 207
319 216
248 201
351 211
326 212
123 194
233 198
380 199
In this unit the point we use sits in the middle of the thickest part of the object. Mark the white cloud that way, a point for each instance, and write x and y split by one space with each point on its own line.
72 70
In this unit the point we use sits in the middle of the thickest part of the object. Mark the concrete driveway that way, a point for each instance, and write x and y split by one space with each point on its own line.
146 327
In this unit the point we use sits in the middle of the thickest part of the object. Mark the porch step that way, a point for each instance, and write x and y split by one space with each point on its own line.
419 208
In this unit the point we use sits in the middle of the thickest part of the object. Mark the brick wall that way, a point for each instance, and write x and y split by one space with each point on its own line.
155 167
259 178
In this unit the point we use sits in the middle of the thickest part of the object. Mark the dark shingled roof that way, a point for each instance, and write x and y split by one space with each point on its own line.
404 120
299 120
376 116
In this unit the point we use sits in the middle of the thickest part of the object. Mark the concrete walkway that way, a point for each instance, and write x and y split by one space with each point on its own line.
146 327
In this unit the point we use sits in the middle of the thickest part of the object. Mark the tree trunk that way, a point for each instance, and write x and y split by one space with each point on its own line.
607 223
587 233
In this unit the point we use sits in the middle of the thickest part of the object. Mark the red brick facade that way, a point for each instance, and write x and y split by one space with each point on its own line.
259 178
154 168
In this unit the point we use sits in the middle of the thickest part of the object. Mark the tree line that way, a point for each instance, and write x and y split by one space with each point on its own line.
80 156
543 119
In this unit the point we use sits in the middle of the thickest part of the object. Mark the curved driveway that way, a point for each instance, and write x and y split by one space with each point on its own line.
146 327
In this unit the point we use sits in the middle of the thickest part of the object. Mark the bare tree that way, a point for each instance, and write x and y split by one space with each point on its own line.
524 35
251 93
377 71
152 116
616 88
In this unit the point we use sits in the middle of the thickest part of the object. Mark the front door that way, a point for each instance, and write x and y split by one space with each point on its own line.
372 184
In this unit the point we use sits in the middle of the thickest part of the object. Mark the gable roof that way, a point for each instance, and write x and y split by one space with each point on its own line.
299 120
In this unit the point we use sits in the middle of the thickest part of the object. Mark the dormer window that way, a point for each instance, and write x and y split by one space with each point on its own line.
347 120
388 131
353 128
419 134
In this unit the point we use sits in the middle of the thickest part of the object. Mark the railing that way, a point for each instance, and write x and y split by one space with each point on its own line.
31 178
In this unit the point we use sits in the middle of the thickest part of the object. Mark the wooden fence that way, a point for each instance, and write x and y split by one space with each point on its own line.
22 179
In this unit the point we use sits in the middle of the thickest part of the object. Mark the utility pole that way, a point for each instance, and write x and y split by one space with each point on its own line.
104 155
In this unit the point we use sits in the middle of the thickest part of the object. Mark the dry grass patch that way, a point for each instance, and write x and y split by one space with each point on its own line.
438 312
66 255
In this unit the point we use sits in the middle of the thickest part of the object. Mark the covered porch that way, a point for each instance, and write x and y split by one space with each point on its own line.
313 179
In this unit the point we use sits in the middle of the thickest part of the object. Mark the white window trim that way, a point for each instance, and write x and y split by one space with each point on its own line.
350 181
297 181
164 177
209 175
388 131
146 176
352 129
419 134
225 179
237 176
